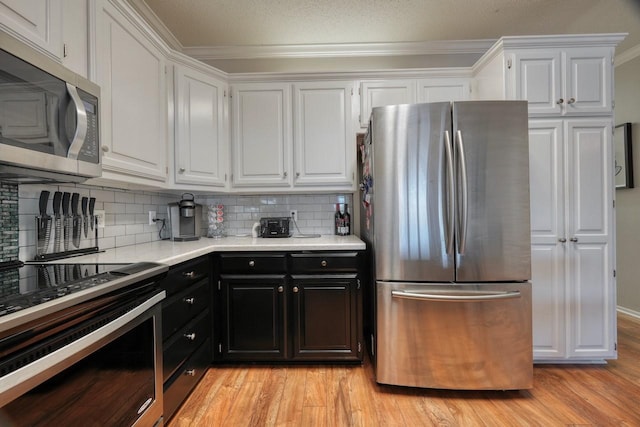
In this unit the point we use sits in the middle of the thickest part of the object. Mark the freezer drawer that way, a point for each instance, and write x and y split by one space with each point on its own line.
467 337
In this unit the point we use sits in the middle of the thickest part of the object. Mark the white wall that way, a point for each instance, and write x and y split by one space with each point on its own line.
627 82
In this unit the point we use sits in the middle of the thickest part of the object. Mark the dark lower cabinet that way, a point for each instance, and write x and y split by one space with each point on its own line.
186 330
290 316
254 317
325 318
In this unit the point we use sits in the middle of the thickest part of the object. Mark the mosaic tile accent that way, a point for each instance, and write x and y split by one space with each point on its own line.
8 222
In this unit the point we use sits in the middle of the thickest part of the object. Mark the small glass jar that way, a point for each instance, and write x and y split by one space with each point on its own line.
215 216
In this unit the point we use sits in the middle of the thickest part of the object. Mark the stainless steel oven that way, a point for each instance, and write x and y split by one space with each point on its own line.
84 352
49 119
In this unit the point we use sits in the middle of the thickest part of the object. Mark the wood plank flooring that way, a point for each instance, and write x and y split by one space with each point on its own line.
341 395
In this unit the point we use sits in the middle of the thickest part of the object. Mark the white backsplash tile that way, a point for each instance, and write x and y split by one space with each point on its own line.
126 212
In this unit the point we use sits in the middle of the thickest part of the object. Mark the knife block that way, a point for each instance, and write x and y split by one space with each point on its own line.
64 236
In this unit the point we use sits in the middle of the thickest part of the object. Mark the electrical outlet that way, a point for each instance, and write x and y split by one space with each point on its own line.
293 214
152 217
99 214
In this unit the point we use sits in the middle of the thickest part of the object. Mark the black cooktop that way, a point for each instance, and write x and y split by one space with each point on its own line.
27 285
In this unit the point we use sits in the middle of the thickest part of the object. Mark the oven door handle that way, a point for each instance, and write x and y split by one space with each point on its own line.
81 123
24 379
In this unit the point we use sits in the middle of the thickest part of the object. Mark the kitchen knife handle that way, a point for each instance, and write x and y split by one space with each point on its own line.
57 202
75 198
44 199
85 204
92 205
66 197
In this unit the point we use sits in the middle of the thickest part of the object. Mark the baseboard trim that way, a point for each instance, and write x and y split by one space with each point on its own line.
629 312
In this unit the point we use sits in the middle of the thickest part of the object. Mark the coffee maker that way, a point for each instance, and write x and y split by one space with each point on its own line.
185 217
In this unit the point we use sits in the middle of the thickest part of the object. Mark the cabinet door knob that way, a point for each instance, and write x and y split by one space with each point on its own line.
280 289
297 174
562 240
252 263
181 170
190 301
574 239
105 148
295 289
571 101
284 175
191 336
190 372
559 101
323 263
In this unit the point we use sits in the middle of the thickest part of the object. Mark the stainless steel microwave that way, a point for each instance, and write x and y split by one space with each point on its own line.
49 118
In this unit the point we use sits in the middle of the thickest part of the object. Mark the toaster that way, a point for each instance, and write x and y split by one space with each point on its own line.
275 227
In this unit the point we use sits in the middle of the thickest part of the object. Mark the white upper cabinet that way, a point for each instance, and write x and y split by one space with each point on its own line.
574 81
384 92
261 133
324 140
131 73
201 156
75 36
443 90
35 22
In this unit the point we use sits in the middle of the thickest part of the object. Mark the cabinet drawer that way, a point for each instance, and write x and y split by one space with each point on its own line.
182 307
184 342
252 263
330 262
184 380
186 274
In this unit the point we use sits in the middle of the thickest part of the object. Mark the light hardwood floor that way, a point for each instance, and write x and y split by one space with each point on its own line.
339 395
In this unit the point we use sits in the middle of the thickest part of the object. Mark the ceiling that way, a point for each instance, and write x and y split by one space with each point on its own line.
321 35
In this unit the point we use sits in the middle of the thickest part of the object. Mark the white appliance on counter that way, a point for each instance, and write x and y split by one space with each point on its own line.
446 216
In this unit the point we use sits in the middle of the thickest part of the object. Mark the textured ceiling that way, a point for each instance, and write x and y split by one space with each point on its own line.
215 23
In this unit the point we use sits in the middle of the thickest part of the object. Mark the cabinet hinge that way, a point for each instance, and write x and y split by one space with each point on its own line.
166 169
64 50
351 91
509 63
358 281
359 347
359 117
614 273
165 69
225 177
359 93
231 177
613 104
219 347
614 204
615 346
225 94
219 285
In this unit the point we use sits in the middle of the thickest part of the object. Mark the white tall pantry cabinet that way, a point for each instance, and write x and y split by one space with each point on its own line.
568 81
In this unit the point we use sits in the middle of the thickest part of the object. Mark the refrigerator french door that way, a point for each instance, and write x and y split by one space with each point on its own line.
449 230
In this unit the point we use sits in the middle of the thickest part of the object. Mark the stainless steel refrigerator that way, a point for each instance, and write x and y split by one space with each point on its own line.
445 213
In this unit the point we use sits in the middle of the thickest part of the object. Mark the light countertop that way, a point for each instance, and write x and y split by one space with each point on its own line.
172 253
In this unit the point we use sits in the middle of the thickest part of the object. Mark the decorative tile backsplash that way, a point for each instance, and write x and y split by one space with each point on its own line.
8 222
127 213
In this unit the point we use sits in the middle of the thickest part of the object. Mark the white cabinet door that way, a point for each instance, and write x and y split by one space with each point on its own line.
324 141
546 160
588 81
443 90
573 82
589 235
261 134
384 92
75 36
35 22
201 156
131 74
539 80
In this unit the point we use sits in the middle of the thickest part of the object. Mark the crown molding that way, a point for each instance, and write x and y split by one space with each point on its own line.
158 26
627 55
563 41
339 50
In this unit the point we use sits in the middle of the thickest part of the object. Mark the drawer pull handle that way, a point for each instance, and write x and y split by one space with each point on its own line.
280 288
252 263
295 289
190 372
191 336
190 274
323 263
190 301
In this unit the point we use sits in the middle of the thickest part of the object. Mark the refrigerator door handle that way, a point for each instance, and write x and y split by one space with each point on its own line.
457 297
464 208
450 206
